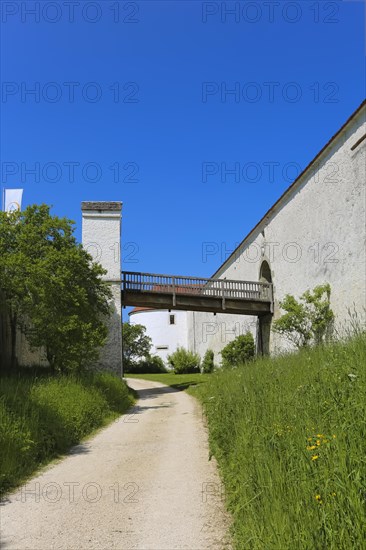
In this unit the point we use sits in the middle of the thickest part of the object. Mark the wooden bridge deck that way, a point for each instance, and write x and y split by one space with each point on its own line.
196 294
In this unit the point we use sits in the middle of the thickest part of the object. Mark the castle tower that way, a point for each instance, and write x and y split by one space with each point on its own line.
101 237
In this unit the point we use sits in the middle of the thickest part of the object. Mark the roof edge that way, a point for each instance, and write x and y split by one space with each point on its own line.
115 206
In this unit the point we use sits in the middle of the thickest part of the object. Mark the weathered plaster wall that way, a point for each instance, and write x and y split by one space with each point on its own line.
101 237
209 331
26 356
315 235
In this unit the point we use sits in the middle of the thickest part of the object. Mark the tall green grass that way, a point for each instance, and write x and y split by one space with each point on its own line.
289 434
41 417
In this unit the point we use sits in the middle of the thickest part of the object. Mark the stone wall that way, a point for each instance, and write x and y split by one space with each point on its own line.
25 356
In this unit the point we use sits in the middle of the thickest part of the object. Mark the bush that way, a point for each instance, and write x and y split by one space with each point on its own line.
307 321
184 362
149 365
208 362
239 351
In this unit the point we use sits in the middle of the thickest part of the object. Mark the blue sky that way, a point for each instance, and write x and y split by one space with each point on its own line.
131 104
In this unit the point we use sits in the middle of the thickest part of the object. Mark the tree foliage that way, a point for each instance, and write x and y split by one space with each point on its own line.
239 351
136 345
152 364
307 320
184 362
51 287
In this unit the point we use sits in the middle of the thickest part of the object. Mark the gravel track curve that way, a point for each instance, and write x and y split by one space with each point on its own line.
143 482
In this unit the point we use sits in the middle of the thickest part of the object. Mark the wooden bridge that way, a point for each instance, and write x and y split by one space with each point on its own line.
196 294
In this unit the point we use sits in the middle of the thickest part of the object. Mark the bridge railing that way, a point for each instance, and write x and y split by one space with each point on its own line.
197 286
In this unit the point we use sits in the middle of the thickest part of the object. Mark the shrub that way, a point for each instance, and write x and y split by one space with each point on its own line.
309 320
239 351
149 365
184 362
208 362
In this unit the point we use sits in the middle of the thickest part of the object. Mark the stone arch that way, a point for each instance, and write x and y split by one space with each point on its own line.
264 321
265 274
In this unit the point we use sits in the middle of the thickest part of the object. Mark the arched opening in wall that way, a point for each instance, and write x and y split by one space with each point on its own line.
264 322
265 275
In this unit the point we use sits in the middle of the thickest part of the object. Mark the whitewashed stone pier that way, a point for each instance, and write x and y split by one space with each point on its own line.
101 237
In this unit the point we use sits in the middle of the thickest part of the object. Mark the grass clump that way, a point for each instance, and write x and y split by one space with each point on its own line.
289 434
42 416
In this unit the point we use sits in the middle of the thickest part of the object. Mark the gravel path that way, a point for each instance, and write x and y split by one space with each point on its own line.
144 482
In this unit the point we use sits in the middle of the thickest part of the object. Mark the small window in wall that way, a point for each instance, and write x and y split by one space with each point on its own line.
171 319
161 347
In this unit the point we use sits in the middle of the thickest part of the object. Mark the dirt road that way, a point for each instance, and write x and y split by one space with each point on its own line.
144 482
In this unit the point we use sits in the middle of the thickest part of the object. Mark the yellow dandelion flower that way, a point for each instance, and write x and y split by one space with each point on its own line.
334 436
311 447
319 435
310 438
318 442
315 457
318 497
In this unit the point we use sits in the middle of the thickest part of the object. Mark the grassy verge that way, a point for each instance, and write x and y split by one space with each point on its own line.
178 381
42 416
289 434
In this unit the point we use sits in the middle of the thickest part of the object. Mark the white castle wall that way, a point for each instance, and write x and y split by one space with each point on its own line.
209 331
315 234
165 337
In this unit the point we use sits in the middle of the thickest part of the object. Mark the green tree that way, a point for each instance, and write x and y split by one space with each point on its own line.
51 288
136 345
307 320
239 351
